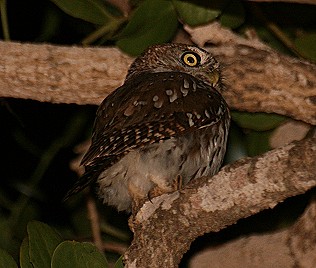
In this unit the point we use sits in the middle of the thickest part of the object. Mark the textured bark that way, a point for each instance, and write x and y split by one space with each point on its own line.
60 74
257 79
165 227
294 246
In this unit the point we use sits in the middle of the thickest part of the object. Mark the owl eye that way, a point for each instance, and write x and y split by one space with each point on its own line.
191 59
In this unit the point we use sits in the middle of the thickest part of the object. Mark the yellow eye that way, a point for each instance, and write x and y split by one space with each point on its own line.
191 59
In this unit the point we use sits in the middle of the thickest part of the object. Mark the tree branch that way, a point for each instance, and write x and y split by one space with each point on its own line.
292 246
257 79
165 227
60 74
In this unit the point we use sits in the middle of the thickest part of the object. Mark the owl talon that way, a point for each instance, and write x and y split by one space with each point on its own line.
178 183
175 186
149 197
137 204
156 191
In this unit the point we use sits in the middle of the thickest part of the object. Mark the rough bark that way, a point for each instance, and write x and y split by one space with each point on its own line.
257 79
165 227
293 246
59 74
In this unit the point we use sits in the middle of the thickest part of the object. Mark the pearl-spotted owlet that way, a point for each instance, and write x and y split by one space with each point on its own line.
166 125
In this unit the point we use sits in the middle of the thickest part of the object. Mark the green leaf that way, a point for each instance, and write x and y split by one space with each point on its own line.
29 213
6 260
79 255
5 233
236 145
154 21
270 39
258 142
233 15
306 45
257 121
193 14
50 26
25 261
42 242
89 10
119 263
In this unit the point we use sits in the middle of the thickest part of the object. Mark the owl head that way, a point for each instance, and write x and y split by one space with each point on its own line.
178 58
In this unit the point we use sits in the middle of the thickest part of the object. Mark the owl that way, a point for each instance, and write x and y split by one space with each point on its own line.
165 126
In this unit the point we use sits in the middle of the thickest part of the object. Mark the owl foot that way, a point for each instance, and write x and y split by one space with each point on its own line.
178 183
157 191
137 203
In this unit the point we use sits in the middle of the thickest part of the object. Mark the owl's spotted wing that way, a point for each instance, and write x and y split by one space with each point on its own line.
151 108
148 109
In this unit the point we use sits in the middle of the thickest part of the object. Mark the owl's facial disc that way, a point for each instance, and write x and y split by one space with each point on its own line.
178 58
201 64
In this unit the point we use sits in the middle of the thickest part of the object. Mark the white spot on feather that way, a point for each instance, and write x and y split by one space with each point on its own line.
184 91
186 83
169 92
207 113
191 123
173 97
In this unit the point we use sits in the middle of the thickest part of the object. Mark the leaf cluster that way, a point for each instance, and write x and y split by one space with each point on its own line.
152 21
44 247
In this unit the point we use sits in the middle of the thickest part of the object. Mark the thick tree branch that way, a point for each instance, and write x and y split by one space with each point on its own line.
165 227
60 74
257 79
293 246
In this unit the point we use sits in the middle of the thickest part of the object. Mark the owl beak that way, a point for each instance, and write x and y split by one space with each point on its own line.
214 77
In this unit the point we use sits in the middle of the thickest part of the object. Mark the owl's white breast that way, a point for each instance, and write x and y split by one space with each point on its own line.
136 174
